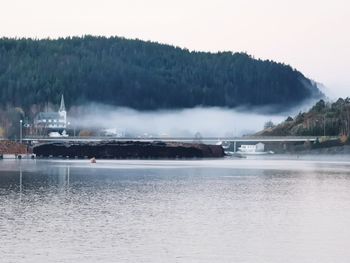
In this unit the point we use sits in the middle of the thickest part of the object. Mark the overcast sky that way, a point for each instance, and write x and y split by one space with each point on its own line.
311 35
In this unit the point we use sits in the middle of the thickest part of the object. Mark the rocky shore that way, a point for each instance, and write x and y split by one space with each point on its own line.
10 147
131 149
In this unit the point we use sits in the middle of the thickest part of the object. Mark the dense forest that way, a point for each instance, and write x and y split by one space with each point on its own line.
141 75
323 119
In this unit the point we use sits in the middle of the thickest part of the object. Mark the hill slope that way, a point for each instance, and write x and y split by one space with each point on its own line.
141 75
323 119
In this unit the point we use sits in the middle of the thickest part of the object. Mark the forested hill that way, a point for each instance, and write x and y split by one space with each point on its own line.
323 119
141 75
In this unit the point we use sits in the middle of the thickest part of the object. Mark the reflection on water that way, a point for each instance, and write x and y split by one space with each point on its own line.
175 211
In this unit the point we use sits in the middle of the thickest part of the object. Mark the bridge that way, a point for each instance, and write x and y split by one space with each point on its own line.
173 139
207 140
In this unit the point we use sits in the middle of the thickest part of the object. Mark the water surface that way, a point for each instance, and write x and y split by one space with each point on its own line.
253 210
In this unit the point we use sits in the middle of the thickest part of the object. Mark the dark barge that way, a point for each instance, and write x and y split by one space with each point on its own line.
127 150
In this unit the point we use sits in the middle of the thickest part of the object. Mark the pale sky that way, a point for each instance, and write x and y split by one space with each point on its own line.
311 35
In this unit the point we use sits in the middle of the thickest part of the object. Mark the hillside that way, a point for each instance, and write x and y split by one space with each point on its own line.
323 119
141 75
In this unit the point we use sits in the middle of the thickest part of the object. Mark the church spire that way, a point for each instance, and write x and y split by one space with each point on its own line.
62 107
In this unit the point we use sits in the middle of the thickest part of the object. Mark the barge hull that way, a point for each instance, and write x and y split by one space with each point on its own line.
128 150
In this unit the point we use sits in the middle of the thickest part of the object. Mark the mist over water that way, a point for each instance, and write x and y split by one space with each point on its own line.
185 122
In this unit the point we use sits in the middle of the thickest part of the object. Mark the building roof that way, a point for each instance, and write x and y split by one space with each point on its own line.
48 115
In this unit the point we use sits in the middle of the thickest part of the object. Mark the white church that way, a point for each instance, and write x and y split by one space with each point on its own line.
54 121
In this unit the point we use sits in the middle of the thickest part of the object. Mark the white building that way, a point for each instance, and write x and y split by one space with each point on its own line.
252 148
52 120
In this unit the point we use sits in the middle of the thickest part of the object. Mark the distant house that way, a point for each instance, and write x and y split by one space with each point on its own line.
52 120
252 148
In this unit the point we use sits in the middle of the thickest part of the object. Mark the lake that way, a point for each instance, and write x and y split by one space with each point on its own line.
268 209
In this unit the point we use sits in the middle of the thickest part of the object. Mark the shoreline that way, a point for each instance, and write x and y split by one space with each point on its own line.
334 150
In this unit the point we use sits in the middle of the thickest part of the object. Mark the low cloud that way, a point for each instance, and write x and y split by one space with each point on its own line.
213 122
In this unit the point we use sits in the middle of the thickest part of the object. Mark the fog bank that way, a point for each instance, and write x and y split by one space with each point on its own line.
185 122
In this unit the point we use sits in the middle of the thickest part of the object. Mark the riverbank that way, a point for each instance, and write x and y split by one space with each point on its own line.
330 147
334 150
14 148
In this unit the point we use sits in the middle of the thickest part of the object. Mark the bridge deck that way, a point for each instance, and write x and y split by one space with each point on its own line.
177 139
